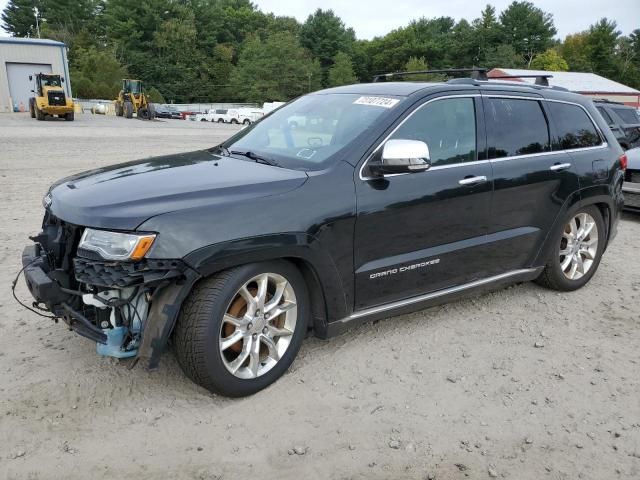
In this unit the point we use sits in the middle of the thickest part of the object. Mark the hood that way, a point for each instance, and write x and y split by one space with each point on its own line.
121 197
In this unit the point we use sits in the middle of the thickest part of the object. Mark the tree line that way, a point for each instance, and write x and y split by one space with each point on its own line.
229 50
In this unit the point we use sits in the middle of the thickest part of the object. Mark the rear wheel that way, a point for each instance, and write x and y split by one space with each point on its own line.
40 115
32 110
220 120
247 121
128 109
240 330
577 252
119 110
69 117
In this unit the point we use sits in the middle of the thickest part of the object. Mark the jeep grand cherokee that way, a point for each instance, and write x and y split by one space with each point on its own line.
392 197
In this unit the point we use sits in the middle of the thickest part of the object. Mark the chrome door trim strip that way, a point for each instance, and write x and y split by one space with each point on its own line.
429 296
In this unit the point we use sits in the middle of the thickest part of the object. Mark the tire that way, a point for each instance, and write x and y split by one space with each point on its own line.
202 326
32 110
69 117
143 113
554 276
220 120
203 119
128 109
119 110
152 111
234 121
40 115
246 122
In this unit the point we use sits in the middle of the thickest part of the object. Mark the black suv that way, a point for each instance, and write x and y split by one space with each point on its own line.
404 195
623 120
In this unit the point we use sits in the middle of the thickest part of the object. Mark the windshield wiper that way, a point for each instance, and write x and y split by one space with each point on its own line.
255 157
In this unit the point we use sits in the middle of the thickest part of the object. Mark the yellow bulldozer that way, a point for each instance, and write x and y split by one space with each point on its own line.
49 97
132 99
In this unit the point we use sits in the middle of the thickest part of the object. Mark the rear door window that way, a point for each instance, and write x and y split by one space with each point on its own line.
627 115
515 127
574 128
447 126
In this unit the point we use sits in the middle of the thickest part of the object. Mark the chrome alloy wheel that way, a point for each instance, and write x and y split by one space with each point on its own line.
578 246
258 326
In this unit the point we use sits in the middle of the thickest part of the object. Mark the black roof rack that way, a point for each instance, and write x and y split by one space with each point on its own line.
604 100
476 73
542 80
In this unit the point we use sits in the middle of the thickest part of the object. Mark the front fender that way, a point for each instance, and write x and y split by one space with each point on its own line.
295 246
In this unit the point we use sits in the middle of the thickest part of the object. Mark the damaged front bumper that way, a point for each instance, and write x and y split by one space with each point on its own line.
128 308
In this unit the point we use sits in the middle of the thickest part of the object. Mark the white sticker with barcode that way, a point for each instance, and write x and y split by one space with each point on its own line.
384 102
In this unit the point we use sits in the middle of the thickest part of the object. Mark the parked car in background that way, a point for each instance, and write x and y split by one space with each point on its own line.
631 186
167 111
624 122
247 116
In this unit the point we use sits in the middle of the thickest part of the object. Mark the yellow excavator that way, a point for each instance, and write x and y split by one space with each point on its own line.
49 97
132 99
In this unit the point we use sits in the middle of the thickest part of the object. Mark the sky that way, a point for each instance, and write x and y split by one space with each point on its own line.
370 18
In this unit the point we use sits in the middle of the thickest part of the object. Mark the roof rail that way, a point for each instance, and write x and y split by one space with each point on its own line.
604 100
542 80
476 73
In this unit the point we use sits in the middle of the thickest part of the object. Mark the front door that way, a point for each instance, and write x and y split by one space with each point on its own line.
420 232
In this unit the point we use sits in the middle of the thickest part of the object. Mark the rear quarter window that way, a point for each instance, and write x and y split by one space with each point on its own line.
574 128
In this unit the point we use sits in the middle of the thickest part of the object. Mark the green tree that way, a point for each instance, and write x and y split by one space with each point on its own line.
503 56
341 72
487 34
324 34
550 60
19 19
576 51
601 42
96 74
274 69
528 29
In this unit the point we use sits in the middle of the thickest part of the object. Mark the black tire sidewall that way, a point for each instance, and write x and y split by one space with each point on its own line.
224 381
559 277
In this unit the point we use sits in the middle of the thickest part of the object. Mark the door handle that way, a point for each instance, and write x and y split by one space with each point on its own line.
558 167
472 180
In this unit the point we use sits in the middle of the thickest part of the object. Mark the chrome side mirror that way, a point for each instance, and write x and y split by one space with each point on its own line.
402 156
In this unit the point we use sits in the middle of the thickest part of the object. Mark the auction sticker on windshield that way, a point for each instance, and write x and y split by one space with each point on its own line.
377 101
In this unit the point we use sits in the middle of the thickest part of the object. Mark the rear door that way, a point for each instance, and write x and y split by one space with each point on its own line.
531 182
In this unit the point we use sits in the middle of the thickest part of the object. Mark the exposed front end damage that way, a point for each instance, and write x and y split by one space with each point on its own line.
127 307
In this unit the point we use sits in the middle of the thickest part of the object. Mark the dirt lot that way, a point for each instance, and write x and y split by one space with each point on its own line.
523 383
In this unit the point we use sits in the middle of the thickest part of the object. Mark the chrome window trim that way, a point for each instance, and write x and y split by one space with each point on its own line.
603 145
463 95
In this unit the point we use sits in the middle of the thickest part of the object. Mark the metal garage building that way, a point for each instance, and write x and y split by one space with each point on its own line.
588 84
21 57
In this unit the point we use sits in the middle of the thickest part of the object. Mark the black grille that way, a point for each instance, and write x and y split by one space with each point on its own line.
56 98
124 274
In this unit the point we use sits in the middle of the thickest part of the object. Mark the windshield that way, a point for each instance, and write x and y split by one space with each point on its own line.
306 133
50 81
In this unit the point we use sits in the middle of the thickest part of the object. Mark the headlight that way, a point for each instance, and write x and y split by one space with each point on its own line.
115 245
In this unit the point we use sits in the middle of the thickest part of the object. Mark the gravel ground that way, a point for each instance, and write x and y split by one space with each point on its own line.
523 383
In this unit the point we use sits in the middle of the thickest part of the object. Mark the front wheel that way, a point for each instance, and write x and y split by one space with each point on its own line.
241 329
577 253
